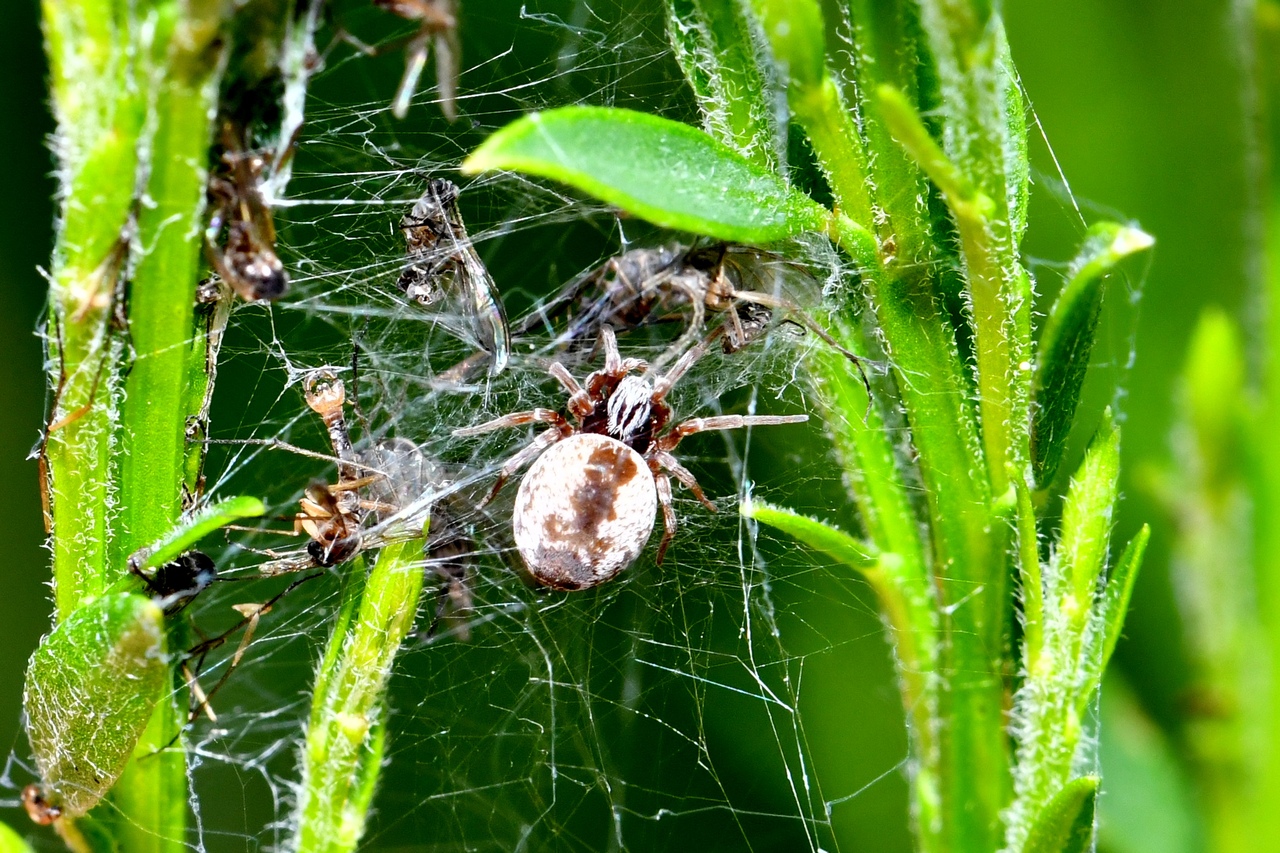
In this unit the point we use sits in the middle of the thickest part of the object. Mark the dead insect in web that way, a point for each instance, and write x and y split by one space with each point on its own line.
332 515
437 27
91 688
176 583
443 267
585 510
241 238
645 286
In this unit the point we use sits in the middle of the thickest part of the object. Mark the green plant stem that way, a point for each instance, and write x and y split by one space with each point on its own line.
162 293
183 77
970 570
100 116
344 741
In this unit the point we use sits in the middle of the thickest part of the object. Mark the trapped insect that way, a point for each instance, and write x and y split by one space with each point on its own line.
586 507
245 257
332 515
443 265
437 27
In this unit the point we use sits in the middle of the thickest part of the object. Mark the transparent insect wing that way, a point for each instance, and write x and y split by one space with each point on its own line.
445 269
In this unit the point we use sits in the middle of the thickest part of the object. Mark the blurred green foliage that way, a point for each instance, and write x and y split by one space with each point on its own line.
1146 112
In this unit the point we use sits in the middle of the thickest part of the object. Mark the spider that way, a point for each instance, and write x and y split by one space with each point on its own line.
246 259
586 508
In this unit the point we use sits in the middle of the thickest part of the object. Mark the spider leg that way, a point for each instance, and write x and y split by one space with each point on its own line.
663 483
698 302
533 416
684 475
669 441
664 383
415 62
524 457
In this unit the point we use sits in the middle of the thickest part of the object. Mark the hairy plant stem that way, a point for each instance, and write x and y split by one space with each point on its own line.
134 87
343 749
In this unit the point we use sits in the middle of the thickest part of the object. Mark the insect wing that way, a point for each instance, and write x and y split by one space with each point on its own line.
474 288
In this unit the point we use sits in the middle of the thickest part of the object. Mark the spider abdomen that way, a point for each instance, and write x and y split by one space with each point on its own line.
584 511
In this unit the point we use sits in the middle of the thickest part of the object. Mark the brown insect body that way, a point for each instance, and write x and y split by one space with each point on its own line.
246 257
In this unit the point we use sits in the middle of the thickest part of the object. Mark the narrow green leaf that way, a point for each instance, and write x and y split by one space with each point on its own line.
1065 824
12 842
669 173
1086 523
91 688
796 32
732 77
965 200
817 535
1119 591
1067 341
1213 380
1017 162
195 527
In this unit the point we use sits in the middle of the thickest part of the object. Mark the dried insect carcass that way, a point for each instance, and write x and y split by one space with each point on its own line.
645 286
585 510
241 238
443 267
438 28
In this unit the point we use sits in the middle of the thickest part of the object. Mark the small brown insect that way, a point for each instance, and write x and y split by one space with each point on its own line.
39 808
585 510
444 266
438 27
245 256
332 515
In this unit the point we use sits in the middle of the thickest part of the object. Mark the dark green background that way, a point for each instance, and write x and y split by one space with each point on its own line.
1143 105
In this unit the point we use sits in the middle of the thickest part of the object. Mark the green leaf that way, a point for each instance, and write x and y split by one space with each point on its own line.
796 33
817 535
669 173
91 688
965 200
1065 824
195 527
12 842
1067 341
1086 523
731 76
1119 591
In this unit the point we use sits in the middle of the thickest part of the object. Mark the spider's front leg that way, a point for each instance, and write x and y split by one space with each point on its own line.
669 441
560 428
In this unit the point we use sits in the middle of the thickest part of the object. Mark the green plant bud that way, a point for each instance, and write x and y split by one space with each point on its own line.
91 688
1067 342
1065 824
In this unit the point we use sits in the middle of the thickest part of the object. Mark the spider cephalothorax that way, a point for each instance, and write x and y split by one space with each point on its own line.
586 508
